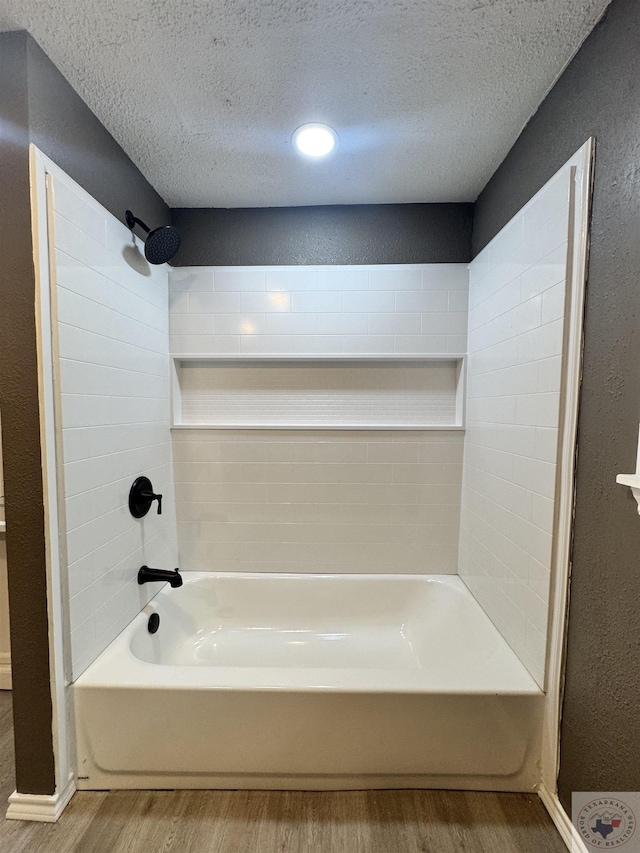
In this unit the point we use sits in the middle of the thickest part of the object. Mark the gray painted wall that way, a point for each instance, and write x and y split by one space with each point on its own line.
38 105
21 435
355 234
598 95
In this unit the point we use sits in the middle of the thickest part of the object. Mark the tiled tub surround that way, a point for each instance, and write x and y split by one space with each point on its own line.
113 343
350 310
516 329
318 500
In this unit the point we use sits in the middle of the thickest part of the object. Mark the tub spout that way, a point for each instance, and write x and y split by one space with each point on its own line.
147 574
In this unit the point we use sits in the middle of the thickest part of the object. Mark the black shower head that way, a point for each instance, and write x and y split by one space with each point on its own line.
161 244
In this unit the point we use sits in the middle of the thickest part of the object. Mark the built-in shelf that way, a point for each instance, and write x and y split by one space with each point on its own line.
368 392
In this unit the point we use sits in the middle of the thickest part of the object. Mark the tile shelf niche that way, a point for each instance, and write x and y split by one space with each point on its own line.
362 392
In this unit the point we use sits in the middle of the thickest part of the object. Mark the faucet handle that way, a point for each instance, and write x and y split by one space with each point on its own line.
152 497
142 496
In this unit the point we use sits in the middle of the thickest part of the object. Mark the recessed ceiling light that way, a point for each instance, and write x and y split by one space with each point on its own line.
315 140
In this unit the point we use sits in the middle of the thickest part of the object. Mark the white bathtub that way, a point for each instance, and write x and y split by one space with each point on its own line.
309 682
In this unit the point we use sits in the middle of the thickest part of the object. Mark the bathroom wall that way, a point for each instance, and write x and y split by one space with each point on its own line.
337 234
598 95
36 102
330 500
517 288
5 647
113 341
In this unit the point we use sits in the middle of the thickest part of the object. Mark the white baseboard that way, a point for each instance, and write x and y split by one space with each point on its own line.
40 807
561 819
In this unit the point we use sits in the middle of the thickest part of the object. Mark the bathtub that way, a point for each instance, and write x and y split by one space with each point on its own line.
296 681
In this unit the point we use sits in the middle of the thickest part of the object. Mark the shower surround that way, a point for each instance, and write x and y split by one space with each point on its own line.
291 517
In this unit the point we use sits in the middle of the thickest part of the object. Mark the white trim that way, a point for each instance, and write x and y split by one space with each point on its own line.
5 671
324 426
29 806
582 167
40 807
562 821
339 357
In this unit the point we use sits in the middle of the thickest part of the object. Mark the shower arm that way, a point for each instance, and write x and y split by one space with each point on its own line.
132 221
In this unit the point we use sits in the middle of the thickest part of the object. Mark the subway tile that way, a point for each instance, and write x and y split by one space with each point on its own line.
538 410
395 278
259 303
535 475
550 374
179 303
343 279
553 198
266 344
429 301
240 324
206 344
289 280
553 303
191 324
546 443
80 211
367 344
191 279
341 324
421 344
445 277
293 324
542 342
238 280
457 300
319 344
367 302
216 303
454 323
394 324
548 272
328 301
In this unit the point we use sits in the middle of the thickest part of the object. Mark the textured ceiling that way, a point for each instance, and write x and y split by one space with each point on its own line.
427 96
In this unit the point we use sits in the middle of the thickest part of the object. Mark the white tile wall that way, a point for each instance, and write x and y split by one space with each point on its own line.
334 309
319 501
114 407
516 320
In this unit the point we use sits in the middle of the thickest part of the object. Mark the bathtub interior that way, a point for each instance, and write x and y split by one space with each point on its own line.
427 625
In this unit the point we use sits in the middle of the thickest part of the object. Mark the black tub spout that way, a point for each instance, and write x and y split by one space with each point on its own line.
147 574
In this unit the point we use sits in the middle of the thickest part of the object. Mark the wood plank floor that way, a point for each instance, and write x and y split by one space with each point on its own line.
280 821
